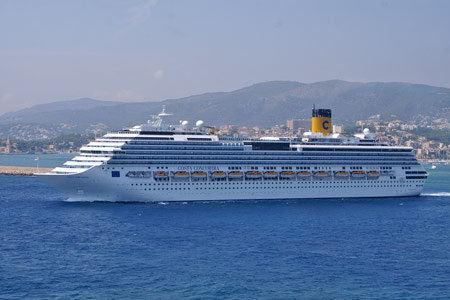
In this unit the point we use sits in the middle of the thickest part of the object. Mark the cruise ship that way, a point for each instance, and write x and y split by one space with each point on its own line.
156 162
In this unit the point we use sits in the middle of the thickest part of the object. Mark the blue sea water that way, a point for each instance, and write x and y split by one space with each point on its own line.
395 248
29 160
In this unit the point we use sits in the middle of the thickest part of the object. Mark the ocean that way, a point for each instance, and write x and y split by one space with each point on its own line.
396 248
29 160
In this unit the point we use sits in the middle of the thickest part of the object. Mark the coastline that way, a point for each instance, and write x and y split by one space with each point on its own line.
434 161
21 171
38 153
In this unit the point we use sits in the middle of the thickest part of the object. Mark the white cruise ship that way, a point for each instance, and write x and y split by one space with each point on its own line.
155 162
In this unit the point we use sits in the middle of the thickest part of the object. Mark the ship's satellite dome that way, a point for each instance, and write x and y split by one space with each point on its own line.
199 123
366 131
184 123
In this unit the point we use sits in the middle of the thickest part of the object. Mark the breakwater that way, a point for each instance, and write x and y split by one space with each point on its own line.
21 171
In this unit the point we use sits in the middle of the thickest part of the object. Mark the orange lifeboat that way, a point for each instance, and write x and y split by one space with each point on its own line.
161 174
270 174
358 174
181 174
321 174
198 174
287 174
341 174
304 174
373 174
218 174
235 174
253 174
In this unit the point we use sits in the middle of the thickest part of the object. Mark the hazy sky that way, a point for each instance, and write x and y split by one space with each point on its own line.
138 50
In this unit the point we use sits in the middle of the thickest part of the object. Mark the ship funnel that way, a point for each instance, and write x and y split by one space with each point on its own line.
321 120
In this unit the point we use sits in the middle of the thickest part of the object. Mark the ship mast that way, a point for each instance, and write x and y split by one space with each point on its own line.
158 120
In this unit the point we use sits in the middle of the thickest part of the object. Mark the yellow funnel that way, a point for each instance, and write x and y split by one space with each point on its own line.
321 121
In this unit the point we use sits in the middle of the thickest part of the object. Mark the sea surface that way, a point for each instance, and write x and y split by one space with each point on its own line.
35 160
396 248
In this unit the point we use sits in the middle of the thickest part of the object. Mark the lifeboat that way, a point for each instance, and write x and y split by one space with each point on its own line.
235 174
270 174
321 174
198 174
304 174
341 174
358 174
161 174
139 174
287 174
180 174
253 174
373 174
218 174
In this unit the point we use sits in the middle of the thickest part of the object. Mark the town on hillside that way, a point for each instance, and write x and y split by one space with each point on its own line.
429 137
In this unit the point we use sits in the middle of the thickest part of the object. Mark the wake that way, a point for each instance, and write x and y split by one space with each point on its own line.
439 194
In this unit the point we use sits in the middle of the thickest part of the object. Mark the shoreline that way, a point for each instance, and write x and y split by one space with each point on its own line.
22 171
37 154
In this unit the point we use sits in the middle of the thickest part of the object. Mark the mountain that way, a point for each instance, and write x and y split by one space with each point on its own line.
77 104
263 104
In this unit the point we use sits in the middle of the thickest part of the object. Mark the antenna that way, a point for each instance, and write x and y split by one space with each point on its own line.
158 120
163 112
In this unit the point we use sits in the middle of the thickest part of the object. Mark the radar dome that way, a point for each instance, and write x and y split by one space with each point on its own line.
184 123
366 131
199 123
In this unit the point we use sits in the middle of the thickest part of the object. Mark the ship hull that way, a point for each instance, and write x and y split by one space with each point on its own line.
97 184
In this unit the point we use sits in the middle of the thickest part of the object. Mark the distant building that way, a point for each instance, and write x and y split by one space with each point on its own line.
8 145
300 131
371 122
294 125
338 129
243 131
228 129
361 123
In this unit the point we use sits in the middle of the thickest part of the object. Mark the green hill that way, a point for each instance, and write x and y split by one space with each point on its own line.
263 104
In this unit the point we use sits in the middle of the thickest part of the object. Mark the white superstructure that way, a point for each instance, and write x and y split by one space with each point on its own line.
156 162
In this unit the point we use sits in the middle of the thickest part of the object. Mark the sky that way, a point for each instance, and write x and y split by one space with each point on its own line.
152 50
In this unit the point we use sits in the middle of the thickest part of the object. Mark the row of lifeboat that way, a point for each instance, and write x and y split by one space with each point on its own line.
268 174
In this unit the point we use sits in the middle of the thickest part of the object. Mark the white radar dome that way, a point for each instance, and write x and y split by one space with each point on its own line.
184 123
366 131
199 123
